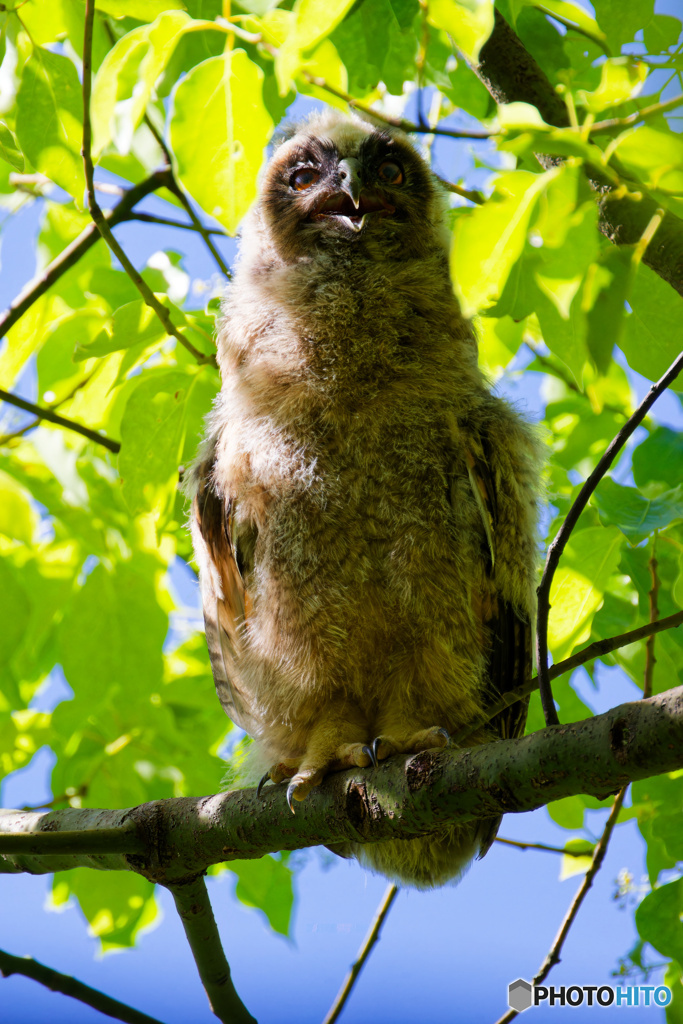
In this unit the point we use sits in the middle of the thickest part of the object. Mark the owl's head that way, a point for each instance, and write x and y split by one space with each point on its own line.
340 183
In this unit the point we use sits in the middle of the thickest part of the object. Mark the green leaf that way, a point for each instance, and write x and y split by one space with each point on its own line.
15 610
489 240
659 458
117 906
18 519
152 436
578 861
654 156
652 333
621 21
133 324
658 919
143 10
561 271
123 87
267 885
621 78
9 149
313 20
589 560
606 289
49 119
662 32
468 22
219 130
568 812
635 515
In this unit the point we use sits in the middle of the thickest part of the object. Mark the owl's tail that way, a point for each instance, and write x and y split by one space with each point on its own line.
427 862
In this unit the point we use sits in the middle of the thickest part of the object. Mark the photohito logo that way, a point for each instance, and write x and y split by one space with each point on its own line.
522 995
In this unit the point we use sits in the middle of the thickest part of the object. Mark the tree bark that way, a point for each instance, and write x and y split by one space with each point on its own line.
404 797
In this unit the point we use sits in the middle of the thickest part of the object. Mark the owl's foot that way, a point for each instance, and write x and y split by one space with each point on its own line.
309 771
425 739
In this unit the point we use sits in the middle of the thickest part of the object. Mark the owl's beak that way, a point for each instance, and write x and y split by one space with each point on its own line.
349 179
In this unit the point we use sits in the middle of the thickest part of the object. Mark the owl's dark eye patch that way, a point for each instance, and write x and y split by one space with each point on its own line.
390 172
303 178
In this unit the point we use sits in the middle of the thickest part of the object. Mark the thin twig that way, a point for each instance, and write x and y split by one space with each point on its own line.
177 191
553 956
395 122
194 907
100 220
541 846
640 115
650 660
151 218
73 252
559 543
363 953
68 986
43 413
598 649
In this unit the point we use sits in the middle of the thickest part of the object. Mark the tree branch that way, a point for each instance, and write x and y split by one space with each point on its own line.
595 650
553 956
194 907
558 545
363 953
100 220
43 413
511 74
68 986
402 798
540 846
152 218
76 249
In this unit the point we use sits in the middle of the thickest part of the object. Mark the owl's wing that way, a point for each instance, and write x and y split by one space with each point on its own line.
510 635
225 598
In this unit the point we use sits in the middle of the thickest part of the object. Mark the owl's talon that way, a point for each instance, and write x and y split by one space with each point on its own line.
371 753
445 733
375 745
262 783
290 795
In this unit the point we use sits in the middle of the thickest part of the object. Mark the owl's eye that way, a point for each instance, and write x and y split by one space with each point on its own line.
304 178
391 173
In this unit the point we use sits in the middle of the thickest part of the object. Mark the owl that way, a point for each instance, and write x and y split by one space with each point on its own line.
364 508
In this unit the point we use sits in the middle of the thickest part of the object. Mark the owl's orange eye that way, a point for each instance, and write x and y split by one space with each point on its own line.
304 178
391 173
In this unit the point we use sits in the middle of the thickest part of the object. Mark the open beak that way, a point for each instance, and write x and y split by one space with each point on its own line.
349 179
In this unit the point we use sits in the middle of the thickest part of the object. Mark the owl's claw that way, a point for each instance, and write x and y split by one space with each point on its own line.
444 732
262 783
372 753
290 795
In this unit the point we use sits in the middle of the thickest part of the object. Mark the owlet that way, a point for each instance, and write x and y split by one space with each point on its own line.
364 511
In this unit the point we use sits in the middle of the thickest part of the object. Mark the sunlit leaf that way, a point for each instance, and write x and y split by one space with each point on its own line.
621 79
656 157
588 561
143 10
267 885
658 919
219 129
652 333
9 149
49 119
635 515
468 22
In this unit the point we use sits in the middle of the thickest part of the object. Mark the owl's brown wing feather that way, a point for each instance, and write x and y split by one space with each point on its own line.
225 598
509 636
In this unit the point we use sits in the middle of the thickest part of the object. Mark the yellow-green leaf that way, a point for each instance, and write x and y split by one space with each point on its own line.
621 79
468 22
219 130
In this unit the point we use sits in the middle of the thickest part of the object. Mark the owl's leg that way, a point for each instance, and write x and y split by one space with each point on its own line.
333 743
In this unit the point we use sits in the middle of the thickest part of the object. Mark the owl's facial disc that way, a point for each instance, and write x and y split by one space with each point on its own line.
350 203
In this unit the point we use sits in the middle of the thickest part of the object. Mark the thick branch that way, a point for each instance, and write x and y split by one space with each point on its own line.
558 545
44 413
511 74
401 798
194 907
73 252
68 986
